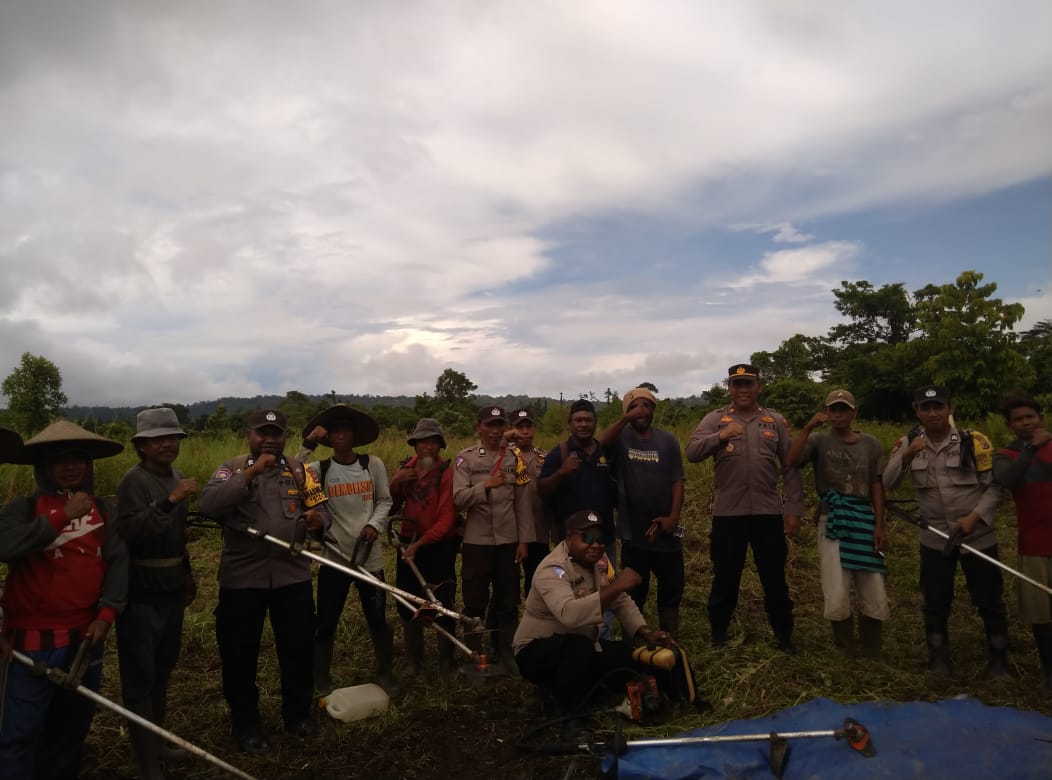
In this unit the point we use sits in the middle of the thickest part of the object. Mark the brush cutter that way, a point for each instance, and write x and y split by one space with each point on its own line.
71 680
394 526
330 545
954 540
855 733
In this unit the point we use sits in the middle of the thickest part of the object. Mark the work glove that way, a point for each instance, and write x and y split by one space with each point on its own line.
953 542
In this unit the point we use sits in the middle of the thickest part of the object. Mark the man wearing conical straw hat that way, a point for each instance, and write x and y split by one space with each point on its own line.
67 580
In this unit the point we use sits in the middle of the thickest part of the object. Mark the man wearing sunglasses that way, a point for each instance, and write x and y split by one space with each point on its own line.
557 644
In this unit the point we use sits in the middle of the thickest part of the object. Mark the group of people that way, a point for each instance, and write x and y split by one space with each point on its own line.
78 566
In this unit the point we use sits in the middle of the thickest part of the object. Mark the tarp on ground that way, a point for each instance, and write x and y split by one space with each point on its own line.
956 738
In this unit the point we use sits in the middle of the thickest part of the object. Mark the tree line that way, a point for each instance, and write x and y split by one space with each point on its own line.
890 342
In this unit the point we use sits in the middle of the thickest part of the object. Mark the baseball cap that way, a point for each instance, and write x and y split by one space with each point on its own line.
582 520
261 418
520 415
487 413
840 397
931 394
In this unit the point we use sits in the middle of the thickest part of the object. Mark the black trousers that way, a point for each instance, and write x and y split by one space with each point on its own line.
731 537
149 637
483 565
568 666
937 573
535 553
667 567
437 563
239 628
333 587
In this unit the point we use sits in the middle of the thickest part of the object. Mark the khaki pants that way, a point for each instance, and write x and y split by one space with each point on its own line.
837 581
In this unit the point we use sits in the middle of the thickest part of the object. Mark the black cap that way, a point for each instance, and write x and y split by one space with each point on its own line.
582 405
487 413
261 418
519 415
931 394
582 520
742 371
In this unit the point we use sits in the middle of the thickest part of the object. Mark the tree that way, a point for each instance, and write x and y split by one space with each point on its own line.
649 386
34 393
884 316
794 359
967 343
1036 346
454 388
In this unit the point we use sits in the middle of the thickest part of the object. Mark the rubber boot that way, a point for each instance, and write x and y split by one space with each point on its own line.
871 635
668 621
938 654
505 635
446 657
323 666
413 633
997 657
171 755
844 636
383 648
145 745
1043 639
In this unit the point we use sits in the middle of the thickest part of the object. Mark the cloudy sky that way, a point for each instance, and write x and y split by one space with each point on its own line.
216 198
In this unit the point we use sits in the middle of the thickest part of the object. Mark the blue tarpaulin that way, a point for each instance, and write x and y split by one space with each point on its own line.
956 738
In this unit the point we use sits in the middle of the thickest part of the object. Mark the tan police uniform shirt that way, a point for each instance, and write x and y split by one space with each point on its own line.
499 515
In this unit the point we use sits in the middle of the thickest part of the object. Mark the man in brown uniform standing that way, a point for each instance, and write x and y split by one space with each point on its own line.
489 486
750 445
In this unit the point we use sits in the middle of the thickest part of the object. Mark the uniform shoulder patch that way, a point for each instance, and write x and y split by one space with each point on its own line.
984 454
223 474
458 461
560 572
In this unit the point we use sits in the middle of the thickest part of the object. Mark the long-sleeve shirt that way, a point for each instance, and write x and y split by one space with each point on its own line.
945 491
66 571
271 503
564 599
499 515
747 468
428 502
1027 472
155 531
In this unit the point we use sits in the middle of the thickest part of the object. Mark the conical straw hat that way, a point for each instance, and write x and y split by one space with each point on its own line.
64 435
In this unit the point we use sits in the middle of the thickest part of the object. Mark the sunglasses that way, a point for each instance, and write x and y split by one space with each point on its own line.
593 537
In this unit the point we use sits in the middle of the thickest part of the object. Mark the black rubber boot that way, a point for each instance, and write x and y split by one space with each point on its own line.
871 637
997 657
323 666
844 636
145 745
447 664
171 754
668 621
413 634
383 648
505 635
938 654
1043 639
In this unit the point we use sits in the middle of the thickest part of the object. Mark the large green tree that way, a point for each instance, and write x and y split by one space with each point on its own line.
968 343
1036 346
34 393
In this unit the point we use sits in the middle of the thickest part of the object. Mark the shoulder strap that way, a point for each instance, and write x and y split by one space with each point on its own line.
564 451
363 458
324 466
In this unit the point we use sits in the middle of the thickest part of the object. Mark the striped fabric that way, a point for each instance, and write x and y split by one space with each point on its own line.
850 519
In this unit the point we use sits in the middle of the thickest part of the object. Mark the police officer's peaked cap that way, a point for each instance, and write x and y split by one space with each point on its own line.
518 415
582 520
364 429
742 371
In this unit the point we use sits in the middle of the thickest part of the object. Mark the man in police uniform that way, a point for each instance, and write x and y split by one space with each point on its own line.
520 435
750 445
490 483
557 645
266 491
952 473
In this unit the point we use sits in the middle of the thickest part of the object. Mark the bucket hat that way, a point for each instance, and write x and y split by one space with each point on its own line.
161 421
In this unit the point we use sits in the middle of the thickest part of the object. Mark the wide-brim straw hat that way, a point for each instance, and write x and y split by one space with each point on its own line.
10 445
363 427
62 436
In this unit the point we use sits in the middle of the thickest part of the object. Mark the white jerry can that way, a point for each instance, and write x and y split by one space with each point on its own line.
356 702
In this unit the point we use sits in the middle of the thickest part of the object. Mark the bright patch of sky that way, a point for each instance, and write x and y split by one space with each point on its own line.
229 198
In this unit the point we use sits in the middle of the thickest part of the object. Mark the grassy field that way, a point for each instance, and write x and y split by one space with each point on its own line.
442 729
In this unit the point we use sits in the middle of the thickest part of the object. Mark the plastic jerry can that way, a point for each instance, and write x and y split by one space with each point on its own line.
356 702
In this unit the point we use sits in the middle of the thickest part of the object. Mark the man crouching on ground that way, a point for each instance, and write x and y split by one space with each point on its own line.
557 645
